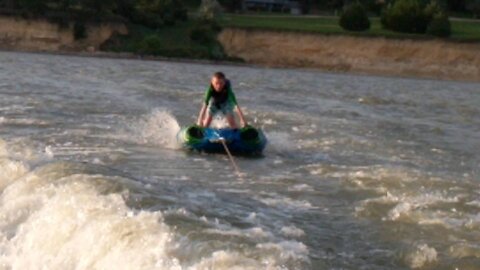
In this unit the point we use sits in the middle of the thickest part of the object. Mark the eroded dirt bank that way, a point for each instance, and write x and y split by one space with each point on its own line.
41 35
423 58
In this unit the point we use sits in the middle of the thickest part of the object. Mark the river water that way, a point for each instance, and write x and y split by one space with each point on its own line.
360 172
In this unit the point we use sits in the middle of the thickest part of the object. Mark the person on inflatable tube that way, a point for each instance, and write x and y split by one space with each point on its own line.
219 98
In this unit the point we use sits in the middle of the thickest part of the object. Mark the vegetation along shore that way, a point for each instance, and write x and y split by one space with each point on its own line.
401 37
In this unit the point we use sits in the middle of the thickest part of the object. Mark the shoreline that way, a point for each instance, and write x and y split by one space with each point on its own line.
132 56
340 54
431 59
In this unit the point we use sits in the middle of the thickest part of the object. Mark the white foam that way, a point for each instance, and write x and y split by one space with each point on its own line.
256 233
475 203
24 122
463 250
292 231
413 207
230 260
286 202
57 217
286 250
68 224
13 166
280 142
157 128
420 256
300 187
398 210
219 122
10 170
252 217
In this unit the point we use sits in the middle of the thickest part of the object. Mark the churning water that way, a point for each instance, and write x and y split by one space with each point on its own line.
360 172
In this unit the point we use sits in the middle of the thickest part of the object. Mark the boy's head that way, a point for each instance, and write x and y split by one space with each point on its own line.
218 81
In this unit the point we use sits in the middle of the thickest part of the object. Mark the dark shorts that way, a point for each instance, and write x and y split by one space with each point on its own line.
226 108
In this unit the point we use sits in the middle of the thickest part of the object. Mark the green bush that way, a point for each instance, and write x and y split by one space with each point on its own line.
180 14
79 30
407 16
354 18
150 45
215 26
439 26
474 7
147 19
169 19
433 9
204 31
215 51
202 34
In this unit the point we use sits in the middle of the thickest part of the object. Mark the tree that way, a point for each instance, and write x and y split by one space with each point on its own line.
32 6
354 18
474 7
210 10
155 6
439 26
231 5
406 16
456 5
98 7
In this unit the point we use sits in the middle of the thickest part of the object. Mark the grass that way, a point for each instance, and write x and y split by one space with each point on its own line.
462 30
466 30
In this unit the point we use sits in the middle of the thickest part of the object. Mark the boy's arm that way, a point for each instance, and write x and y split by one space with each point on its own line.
243 123
233 99
206 99
201 115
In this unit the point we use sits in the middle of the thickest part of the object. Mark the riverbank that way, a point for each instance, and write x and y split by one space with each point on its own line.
437 59
367 55
42 35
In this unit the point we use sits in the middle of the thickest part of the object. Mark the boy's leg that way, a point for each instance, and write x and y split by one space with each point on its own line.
208 120
211 111
231 120
227 110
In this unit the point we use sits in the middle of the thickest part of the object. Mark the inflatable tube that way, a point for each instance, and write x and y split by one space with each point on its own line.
244 141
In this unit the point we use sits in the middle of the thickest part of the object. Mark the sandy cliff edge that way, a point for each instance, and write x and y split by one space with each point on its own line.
367 55
419 58
43 36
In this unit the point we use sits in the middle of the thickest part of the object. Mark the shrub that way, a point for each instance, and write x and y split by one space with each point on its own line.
474 7
433 9
215 51
180 14
406 16
147 19
354 18
79 30
169 19
150 45
202 34
439 26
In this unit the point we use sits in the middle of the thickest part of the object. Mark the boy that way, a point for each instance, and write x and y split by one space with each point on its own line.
219 97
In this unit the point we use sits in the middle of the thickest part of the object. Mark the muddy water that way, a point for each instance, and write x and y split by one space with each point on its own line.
360 172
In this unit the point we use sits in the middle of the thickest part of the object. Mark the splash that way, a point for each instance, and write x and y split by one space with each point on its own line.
157 128
280 142
420 255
